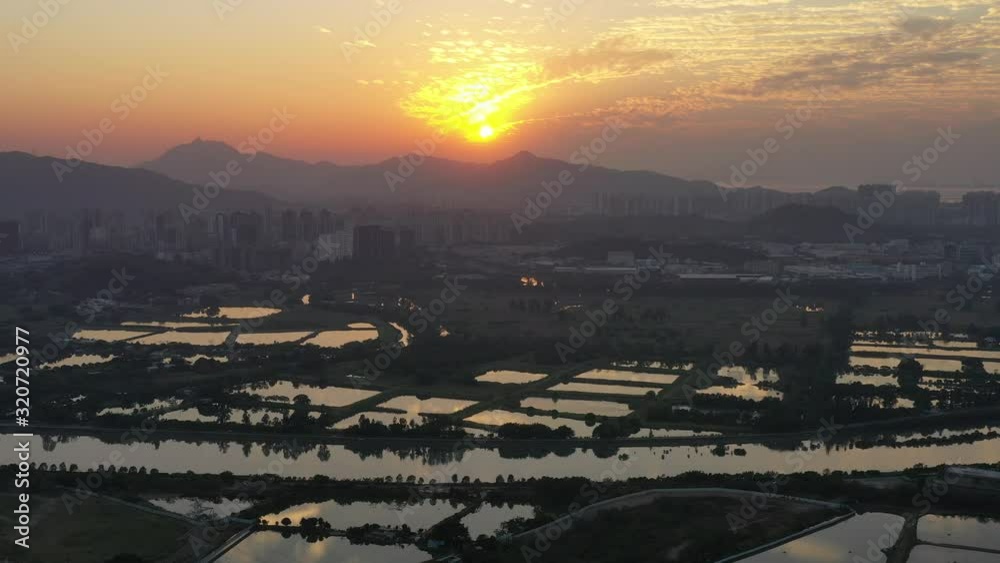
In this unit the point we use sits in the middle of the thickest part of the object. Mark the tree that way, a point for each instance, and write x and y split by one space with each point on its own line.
908 373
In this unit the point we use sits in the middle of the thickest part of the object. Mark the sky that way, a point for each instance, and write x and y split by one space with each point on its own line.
840 92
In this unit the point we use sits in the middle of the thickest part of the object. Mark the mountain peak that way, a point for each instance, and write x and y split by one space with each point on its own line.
204 147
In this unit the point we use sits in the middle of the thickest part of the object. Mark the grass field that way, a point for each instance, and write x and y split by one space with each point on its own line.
94 531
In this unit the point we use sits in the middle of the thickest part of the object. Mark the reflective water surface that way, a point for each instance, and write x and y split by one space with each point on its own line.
501 417
186 337
487 518
324 396
602 389
197 508
234 313
338 338
509 376
359 462
107 335
343 515
629 376
576 406
383 417
411 404
266 338
270 547
846 542
965 531
78 360
934 554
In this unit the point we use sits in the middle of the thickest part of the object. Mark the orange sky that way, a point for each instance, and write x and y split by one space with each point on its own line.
698 82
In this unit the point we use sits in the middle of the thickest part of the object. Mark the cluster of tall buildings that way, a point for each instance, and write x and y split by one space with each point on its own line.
909 207
254 240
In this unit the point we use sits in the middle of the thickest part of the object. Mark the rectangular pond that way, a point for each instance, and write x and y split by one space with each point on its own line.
964 531
601 389
501 417
846 542
576 406
286 391
338 338
629 376
411 404
509 377
270 547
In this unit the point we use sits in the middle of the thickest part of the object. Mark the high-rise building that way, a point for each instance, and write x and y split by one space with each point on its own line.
373 242
10 237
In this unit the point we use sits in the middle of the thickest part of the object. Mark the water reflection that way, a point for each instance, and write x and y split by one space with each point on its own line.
198 508
914 350
965 531
877 380
360 462
268 338
508 376
486 520
343 515
404 335
175 324
270 547
576 406
599 389
107 335
383 417
842 543
181 337
234 313
629 376
325 396
934 554
78 360
501 417
338 338
411 404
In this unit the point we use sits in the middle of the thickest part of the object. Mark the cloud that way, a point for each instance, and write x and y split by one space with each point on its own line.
924 26
609 58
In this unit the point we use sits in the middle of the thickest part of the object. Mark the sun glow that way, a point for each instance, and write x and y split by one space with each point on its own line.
478 106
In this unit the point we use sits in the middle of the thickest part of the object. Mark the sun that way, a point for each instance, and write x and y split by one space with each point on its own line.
486 132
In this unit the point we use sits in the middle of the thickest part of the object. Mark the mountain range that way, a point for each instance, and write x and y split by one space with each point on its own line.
414 178
36 182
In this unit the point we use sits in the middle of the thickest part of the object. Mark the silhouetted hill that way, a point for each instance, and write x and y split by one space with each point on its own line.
31 182
417 179
796 223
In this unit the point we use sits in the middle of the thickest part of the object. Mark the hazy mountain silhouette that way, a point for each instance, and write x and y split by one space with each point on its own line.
31 182
503 184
